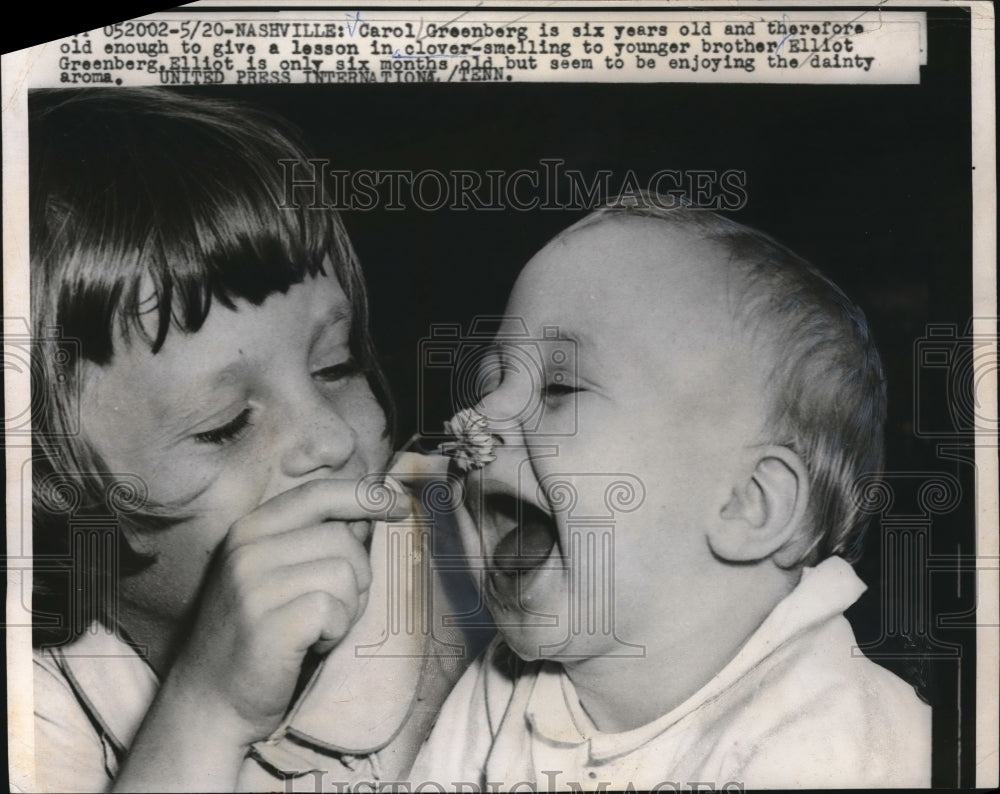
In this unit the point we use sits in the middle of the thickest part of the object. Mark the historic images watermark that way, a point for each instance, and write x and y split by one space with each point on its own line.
547 186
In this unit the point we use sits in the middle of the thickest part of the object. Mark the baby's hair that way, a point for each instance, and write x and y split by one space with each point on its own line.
148 207
827 393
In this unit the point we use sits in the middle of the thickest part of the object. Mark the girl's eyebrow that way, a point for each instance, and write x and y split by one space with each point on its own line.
336 314
209 393
228 373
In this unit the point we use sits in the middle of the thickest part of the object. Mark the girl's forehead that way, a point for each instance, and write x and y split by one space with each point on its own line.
228 336
236 350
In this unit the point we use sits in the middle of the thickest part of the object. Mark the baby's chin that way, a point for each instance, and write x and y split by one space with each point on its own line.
555 644
541 644
531 607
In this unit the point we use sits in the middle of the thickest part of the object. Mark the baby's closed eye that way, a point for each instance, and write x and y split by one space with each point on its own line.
559 388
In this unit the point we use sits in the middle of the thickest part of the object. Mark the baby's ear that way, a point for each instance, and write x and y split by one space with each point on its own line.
764 513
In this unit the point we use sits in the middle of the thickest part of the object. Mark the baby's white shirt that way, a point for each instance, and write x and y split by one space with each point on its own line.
798 706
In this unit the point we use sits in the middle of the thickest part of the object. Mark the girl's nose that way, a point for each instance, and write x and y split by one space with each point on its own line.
318 438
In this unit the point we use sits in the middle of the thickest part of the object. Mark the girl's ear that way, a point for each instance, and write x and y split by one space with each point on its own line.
766 512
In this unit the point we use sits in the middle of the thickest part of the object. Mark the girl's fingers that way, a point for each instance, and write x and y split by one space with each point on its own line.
317 501
336 577
321 620
413 468
331 540
315 602
432 479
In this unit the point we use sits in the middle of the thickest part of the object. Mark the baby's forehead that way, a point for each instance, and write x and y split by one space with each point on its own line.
649 264
631 291
649 306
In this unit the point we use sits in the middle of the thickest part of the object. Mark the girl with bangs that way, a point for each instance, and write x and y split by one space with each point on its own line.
210 411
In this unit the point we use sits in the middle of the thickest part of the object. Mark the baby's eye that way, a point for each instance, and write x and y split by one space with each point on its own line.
559 389
227 432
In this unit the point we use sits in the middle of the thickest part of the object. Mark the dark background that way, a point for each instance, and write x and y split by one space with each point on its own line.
871 183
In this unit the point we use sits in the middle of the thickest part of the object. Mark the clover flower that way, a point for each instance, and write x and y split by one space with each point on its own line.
474 444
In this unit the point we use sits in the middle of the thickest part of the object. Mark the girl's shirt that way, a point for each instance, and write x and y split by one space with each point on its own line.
360 720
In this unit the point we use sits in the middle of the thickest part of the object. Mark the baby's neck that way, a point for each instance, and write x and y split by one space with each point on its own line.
620 694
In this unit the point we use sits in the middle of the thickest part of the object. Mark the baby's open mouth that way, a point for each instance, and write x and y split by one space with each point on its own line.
529 534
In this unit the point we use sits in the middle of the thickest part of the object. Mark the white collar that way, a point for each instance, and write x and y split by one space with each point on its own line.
112 681
823 592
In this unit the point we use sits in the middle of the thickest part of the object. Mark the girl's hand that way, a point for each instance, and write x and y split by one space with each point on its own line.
415 468
291 576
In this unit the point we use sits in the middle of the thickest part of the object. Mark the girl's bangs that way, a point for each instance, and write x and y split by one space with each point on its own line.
230 241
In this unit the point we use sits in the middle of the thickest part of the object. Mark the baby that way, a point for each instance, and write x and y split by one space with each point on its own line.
211 415
679 620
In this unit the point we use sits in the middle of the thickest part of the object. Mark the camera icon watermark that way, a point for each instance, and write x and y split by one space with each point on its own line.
954 368
51 362
458 369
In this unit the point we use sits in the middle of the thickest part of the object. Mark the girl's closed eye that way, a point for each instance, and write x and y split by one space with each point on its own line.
333 375
230 431
340 372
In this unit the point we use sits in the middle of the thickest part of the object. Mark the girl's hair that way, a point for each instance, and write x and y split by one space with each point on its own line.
133 193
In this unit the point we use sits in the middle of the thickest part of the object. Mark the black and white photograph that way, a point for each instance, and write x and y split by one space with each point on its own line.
498 397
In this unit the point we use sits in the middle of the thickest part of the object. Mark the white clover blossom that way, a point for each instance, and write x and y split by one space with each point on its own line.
474 443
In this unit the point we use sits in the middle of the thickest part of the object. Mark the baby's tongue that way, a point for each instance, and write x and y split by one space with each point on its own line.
526 546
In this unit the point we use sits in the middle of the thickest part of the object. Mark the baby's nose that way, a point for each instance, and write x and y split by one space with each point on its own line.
503 413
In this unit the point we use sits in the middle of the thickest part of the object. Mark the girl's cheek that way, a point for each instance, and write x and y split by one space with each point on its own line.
363 414
213 480
239 492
